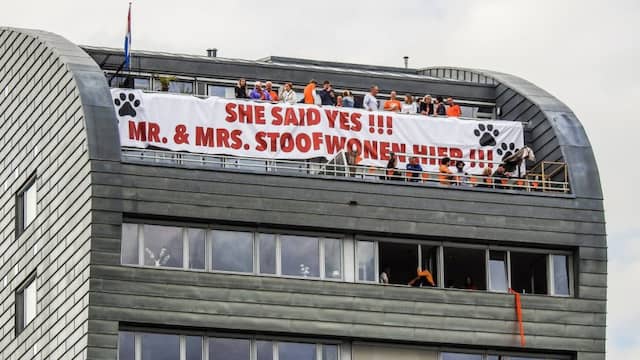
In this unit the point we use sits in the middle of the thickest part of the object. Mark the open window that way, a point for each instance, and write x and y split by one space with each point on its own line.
465 268
429 261
398 262
529 272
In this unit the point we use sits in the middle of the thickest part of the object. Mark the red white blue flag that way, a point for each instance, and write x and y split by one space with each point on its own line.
127 42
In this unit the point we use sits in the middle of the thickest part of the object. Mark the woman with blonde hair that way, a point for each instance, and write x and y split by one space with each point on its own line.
409 106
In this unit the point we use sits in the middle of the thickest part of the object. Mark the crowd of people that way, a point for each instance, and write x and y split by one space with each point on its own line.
495 179
326 95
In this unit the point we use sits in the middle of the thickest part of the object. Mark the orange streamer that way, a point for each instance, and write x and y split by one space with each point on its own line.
523 341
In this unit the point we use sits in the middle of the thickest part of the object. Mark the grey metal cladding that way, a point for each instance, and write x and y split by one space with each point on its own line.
47 86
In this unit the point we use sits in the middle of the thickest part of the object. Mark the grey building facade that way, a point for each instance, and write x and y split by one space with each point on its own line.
97 297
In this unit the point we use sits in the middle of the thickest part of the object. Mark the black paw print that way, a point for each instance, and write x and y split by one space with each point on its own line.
127 104
505 150
487 134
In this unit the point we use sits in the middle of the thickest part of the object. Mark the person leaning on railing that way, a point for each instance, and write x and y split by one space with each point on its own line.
440 108
454 109
393 104
241 89
391 172
460 174
259 92
426 106
501 177
370 102
487 180
269 89
409 106
288 96
445 176
347 99
414 169
310 92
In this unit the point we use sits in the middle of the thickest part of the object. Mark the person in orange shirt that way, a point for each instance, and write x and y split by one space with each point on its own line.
454 109
310 92
424 278
269 87
392 104
445 173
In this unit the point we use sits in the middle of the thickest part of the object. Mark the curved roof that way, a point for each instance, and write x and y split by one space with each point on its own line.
553 130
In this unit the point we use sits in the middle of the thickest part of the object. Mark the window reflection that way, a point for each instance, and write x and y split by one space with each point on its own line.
560 275
329 352
163 246
160 347
498 270
300 256
126 346
264 350
366 261
129 244
232 250
229 349
196 248
296 351
457 356
193 347
267 243
332 258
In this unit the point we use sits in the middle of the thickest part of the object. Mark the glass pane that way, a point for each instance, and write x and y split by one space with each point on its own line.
196 248
129 246
296 351
126 350
333 258
366 261
498 270
181 87
30 301
232 251
267 253
160 347
229 349
194 347
264 350
329 352
30 205
455 356
163 246
142 84
465 268
560 275
430 261
529 272
300 256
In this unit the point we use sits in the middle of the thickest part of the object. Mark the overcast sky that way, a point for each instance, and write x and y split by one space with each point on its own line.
582 51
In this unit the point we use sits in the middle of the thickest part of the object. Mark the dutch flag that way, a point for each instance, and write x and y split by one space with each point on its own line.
127 42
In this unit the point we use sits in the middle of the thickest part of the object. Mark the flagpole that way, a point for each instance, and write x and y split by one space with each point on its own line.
127 49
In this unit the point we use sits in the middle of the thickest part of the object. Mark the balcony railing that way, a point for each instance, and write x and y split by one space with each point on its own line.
339 167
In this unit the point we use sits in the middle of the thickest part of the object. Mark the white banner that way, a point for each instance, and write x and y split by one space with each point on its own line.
278 131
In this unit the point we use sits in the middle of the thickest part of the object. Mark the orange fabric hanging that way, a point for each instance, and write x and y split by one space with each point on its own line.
523 341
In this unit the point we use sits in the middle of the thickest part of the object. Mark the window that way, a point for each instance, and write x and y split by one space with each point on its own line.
126 346
232 251
330 352
221 91
395 352
498 271
529 272
465 268
196 248
267 250
142 83
26 205
296 351
300 256
560 274
264 350
229 349
366 257
163 246
460 356
332 258
130 252
160 347
193 346
26 303
398 261
175 86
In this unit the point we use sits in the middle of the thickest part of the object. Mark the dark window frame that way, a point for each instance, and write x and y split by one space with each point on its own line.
20 226
19 303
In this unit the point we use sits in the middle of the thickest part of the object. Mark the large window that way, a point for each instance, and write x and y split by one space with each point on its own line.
26 303
398 262
26 205
161 346
232 251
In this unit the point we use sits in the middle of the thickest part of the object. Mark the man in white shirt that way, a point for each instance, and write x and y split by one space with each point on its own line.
370 102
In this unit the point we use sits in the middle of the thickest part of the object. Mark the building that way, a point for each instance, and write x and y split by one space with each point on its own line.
292 259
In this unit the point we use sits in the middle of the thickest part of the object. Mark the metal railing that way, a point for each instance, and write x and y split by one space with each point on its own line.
341 167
